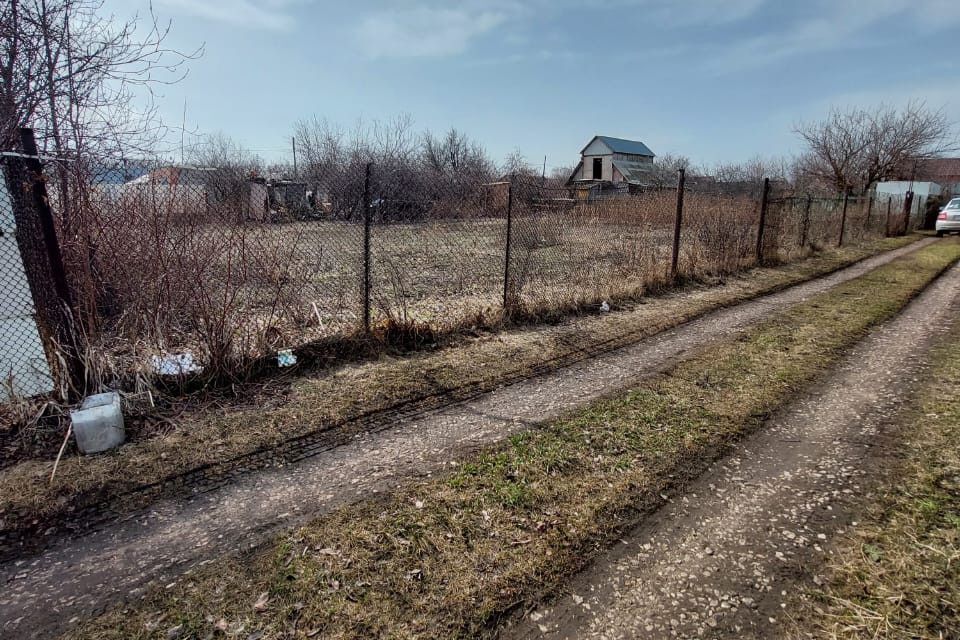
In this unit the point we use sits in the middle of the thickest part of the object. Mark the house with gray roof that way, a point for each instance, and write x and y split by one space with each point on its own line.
616 162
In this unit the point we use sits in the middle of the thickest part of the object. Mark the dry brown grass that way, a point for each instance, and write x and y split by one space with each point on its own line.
450 556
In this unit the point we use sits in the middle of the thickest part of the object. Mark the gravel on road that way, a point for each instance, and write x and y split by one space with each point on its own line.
721 559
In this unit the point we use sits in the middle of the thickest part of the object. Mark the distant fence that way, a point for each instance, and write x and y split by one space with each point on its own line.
232 268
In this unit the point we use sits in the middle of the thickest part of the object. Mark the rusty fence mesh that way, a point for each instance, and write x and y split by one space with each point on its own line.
232 266
24 369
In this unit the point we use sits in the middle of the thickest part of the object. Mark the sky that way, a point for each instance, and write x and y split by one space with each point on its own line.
714 80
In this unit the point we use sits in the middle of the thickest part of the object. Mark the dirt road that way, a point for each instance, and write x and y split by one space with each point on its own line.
43 593
721 559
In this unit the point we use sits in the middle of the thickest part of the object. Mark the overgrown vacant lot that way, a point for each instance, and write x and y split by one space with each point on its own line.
897 575
231 292
452 555
287 284
211 434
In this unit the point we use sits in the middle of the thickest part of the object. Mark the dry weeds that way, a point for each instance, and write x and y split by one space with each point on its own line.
159 272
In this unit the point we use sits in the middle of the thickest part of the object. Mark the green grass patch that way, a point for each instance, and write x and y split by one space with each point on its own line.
452 555
897 575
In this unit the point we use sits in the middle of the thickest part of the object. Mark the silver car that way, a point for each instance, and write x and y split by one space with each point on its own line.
949 219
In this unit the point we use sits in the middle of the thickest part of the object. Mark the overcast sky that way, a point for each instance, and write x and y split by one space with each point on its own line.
716 80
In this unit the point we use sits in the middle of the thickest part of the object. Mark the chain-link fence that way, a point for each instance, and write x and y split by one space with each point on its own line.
806 223
172 268
35 324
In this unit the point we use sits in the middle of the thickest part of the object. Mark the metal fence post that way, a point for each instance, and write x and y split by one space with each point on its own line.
907 206
366 249
764 202
678 223
886 230
843 217
805 227
45 217
507 304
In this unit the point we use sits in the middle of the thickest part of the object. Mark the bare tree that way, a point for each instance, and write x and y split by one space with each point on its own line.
411 174
753 170
84 82
218 150
559 176
516 164
455 155
673 161
78 76
664 171
851 150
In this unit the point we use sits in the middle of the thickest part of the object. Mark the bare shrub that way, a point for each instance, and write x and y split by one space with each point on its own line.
174 274
719 234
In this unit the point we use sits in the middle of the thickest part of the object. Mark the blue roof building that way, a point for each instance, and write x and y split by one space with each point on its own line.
615 161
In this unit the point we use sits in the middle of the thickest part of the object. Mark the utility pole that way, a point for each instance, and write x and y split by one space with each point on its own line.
293 141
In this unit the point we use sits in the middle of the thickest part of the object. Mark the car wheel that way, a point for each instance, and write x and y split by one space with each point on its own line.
939 234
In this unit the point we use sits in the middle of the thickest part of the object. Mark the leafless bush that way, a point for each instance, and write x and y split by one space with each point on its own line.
850 151
172 273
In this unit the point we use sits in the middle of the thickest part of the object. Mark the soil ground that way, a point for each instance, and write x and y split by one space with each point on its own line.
82 576
723 558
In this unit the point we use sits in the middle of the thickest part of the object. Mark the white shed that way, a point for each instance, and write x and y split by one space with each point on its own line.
899 188
614 160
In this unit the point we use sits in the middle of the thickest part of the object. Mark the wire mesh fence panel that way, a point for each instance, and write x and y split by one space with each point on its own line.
856 223
891 213
874 224
791 219
719 232
437 249
887 213
825 217
229 266
24 370
207 261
